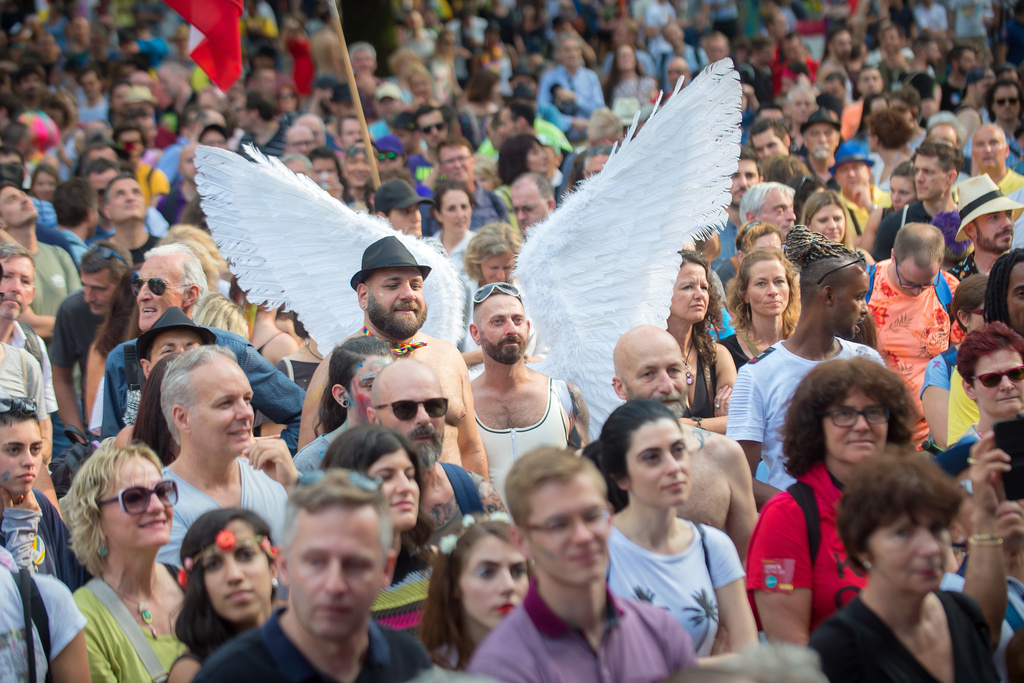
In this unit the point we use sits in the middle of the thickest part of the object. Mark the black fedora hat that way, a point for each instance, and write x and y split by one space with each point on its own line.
388 252
173 318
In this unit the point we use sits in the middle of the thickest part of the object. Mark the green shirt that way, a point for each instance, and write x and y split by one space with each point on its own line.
542 128
56 277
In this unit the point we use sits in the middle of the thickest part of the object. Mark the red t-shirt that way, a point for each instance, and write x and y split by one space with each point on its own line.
779 561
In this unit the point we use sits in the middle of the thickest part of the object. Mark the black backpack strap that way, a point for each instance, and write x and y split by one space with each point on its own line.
704 547
466 495
132 370
32 343
34 610
804 496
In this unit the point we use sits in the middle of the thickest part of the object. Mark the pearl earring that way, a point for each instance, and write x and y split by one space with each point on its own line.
867 565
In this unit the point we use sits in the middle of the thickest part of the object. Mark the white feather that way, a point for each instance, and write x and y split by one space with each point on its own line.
606 260
291 243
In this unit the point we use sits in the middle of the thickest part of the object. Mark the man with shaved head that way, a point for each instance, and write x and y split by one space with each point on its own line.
649 364
989 152
406 396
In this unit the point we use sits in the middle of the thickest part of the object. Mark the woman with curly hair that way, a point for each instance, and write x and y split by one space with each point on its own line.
843 413
710 372
889 133
764 300
229 579
478 578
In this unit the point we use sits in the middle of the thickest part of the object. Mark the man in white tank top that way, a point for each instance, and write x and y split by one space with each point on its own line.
518 409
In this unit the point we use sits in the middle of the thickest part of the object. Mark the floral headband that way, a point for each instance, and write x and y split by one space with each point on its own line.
225 541
448 543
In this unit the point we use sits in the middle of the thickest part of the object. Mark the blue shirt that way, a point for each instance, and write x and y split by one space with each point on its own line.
273 394
585 83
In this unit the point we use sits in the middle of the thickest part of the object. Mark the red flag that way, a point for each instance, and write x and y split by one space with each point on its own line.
219 52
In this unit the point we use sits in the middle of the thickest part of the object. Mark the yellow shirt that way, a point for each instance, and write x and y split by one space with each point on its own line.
1012 182
153 182
963 412
881 200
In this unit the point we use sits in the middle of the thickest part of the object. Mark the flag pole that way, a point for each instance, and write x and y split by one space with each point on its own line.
354 89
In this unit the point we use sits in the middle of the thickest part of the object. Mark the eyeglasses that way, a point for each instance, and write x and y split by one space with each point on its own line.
596 520
525 208
156 285
387 156
497 288
431 127
17 404
105 253
457 161
847 417
134 500
907 285
838 268
1007 100
406 410
993 379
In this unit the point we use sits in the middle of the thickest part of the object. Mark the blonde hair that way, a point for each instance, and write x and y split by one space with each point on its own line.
81 507
820 200
742 316
541 466
487 169
494 239
216 310
204 248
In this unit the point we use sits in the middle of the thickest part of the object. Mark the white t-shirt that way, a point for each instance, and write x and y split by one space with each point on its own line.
65 620
260 493
932 18
678 583
761 395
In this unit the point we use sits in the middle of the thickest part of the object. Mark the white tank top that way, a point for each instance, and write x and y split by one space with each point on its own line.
505 445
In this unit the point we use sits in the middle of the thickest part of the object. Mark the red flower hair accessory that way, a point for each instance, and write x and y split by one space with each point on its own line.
267 548
226 540
182 579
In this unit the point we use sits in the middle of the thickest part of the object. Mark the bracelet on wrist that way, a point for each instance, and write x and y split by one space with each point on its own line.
986 540
699 421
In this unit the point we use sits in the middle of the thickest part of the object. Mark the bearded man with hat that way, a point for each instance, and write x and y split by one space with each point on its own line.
390 290
821 139
986 218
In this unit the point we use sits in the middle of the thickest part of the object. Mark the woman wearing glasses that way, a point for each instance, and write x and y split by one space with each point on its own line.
842 413
691 570
991 361
390 459
119 511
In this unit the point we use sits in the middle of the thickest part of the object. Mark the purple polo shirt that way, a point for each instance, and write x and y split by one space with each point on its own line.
641 644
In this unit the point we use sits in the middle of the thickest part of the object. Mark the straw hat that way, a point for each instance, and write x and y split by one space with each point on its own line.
980 196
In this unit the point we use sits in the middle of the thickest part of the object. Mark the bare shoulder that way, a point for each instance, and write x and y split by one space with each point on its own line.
723 452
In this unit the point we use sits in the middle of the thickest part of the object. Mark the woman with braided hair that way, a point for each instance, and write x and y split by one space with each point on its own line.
1004 303
833 284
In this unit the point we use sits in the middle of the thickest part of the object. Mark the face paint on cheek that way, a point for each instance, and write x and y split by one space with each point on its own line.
6 477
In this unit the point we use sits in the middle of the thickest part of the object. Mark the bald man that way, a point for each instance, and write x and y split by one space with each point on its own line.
649 364
989 151
409 381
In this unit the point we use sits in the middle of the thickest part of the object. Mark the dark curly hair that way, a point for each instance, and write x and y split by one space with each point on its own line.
702 337
997 292
198 626
803 438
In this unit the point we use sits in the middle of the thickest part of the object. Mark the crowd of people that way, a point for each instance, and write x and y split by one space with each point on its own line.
812 474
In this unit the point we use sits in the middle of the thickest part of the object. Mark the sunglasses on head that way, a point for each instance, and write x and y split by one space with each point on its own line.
134 500
387 156
993 379
406 410
106 253
497 288
156 285
353 151
17 404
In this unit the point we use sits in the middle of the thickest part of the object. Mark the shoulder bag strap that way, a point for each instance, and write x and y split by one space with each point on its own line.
106 595
24 580
466 495
132 370
804 496
704 547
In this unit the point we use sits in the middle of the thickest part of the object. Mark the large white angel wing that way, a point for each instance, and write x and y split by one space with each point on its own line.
605 261
291 243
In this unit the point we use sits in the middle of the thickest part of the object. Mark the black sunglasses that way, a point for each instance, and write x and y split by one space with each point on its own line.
432 127
134 500
17 404
156 285
106 253
406 410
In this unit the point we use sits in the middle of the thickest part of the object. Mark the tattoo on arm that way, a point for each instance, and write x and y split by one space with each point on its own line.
489 498
701 435
442 513
579 420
